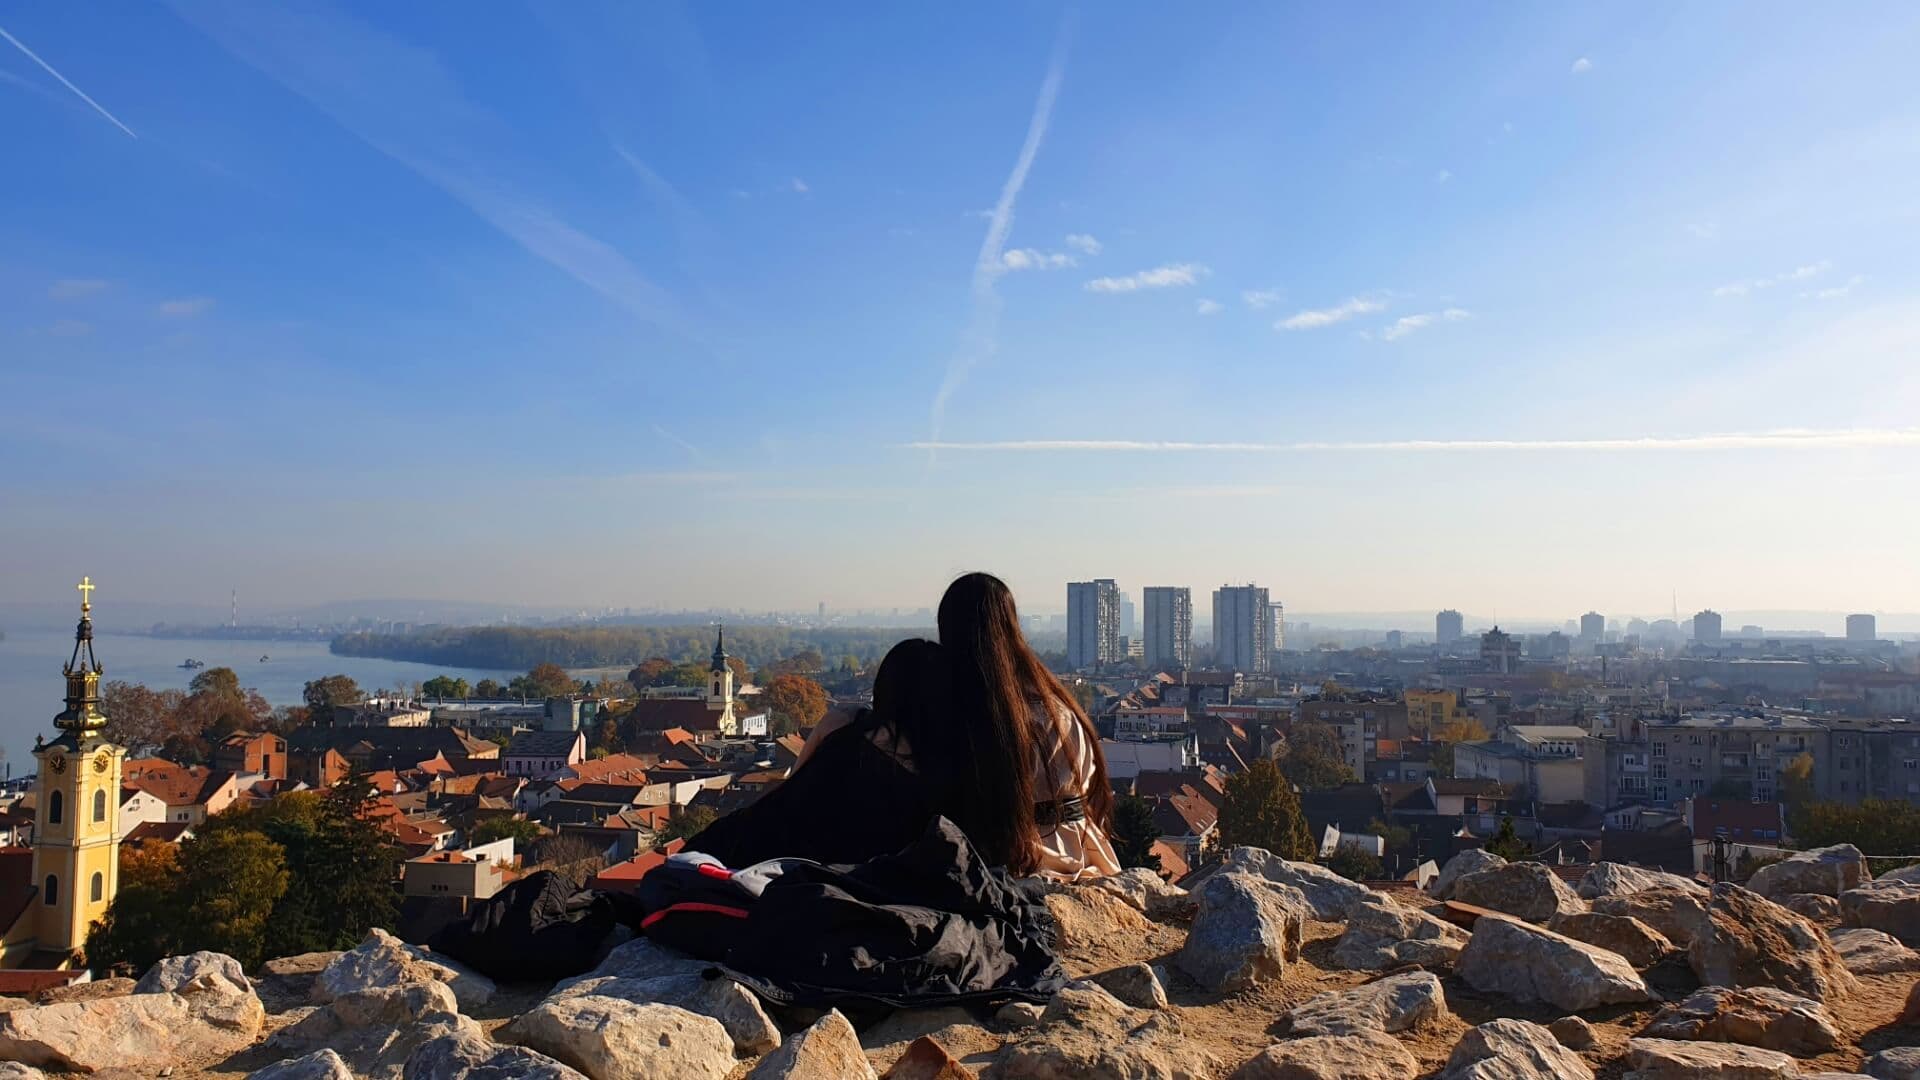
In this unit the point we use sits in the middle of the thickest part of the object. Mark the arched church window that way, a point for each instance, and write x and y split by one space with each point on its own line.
100 805
99 886
55 804
52 891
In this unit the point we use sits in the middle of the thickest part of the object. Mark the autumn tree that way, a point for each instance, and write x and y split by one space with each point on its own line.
795 701
1315 759
139 927
1261 810
608 736
686 824
1135 833
1796 787
650 673
331 690
219 896
138 717
1456 730
545 681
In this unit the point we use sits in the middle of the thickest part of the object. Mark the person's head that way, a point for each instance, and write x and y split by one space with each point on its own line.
998 683
913 696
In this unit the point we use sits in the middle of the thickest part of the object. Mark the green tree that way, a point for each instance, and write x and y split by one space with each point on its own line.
1507 844
686 824
1796 788
141 926
795 702
1397 838
1315 759
1355 864
1134 833
523 832
331 690
1261 810
443 687
488 689
548 680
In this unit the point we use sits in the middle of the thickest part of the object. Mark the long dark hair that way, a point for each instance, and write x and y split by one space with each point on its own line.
998 681
913 704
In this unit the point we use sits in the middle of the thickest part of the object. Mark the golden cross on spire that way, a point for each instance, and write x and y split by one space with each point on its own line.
86 588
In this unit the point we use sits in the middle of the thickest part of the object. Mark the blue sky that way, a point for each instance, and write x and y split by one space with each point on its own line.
644 304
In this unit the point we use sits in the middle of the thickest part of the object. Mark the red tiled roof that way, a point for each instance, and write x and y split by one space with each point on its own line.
167 831
1742 820
175 785
625 877
1172 863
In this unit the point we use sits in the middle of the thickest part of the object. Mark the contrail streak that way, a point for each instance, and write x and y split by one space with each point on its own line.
1791 439
81 94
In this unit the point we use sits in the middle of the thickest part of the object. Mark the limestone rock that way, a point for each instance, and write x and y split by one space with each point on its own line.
385 960
1508 1049
1574 1033
1395 1003
1872 952
640 958
375 1031
1749 940
1829 871
1642 945
8 1004
1328 894
13 1070
1619 879
611 1039
1527 963
1362 1056
1676 913
138 1031
1899 1063
312 963
90 990
319 1065
1471 861
1245 931
1018 1014
1754 1016
926 1059
177 973
1137 985
828 1050
1666 1059
738 1009
468 1055
1525 890
1382 935
1146 891
1813 907
1889 906
1087 1034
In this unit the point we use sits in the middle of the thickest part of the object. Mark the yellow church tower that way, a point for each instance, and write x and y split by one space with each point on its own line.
76 828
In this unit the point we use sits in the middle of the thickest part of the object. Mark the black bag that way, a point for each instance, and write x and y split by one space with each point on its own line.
537 928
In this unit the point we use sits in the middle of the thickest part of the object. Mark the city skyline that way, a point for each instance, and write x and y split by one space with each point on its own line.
1521 311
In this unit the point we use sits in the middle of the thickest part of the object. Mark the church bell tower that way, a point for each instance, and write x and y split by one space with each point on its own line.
720 686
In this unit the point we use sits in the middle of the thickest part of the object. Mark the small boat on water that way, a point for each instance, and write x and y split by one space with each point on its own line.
190 663
263 658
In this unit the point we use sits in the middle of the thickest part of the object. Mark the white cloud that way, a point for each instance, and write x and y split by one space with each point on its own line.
798 186
1788 439
1442 176
185 307
1314 319
75 288
1798 273
1029 259
1582 66
1407 324
1209 307
1835 292
1160 277
1258 299
1083 243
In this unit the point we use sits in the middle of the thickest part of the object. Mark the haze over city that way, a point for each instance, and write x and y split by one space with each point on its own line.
1524 312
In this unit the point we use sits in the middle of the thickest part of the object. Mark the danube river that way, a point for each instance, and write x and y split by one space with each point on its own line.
31 687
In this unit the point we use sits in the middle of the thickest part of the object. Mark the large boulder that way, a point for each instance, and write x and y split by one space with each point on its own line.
139 1031
826 1050
1147 892
1246 930
1362 1056
1813 907
1828 871
1872 952
1754 1016
319 1065
1137 985
610 1039
117 986
1087 1034
1668 1059
1574 1033
1890 906
1471 861
1507 1049
1525 890
927 1059
738 1009
1382 935
640 958
469 1055
1395 1003
1526 963
385 960
1642 945
1328 894
375 1031
1898 1063
1619 879
1748 940
178 973
1676 913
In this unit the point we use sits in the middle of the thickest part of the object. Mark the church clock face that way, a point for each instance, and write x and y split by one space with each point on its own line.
58 764
100 763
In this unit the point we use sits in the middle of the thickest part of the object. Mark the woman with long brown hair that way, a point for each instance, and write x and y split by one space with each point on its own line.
1032 789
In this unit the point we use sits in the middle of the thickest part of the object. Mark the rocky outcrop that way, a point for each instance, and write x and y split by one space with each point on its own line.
926 1059
1246 930
1828 871
205 969
469 1055
1395 1003
1148 893
384 960
1753 1016
118 986
1086 1033
1507 1049
211 1017
736 1008
1642 945
1872 952
1676 913
1748 940
1526 963
1574 1033
1137 985
1889 906
1619 879
319 1065
1328 895
1382 935
1813 907
827 1050
1665 1059
611 1039
1471 861
1525 890
1899 1063
375 1031
1361 1056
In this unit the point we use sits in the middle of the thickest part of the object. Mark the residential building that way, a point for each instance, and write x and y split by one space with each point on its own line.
1448 627
1429 711
1593 627
535 754
1242 630
1753 830
1167 643
1861 628
1149 723
192 793
1547 761
1733 751
1499 652
262 755
1277 618
474 873
1361 724
1093 624
1706 627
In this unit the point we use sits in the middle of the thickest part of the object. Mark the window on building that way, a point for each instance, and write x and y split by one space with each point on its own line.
99 887
56 807
100 805
51 891
1659 749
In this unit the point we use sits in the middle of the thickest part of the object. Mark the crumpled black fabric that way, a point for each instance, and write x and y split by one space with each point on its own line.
929 925
540 927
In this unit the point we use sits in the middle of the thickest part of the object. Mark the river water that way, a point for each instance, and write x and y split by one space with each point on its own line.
31 686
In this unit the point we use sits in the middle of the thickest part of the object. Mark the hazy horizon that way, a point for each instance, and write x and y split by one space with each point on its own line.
1523 311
